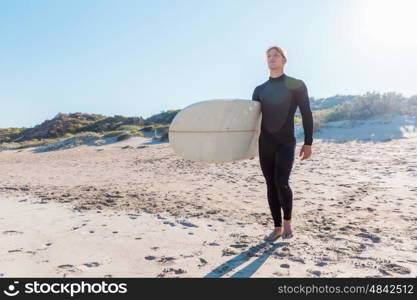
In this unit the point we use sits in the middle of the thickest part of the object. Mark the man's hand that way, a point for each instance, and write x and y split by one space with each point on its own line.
305 152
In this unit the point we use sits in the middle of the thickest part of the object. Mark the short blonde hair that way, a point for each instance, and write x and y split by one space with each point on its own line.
281 51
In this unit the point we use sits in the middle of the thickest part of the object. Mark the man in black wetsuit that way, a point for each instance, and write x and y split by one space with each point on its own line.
279 97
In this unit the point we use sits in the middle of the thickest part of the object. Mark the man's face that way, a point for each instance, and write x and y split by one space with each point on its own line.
275 60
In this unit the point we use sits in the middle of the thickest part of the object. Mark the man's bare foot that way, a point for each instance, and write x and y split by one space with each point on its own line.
276 233
287 230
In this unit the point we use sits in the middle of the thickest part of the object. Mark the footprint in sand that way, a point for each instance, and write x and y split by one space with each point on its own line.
229 251
203 262
297 259
15 250
374 238
68 269
187 224
78 227
45 246
171 271
394 268
12 232
91 264
170 223
314 272
166 260
212 244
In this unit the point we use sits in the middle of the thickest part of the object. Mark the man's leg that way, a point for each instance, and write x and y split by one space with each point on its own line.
284 160
266 159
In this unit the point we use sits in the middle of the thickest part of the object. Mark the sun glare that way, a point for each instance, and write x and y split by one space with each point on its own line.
389 22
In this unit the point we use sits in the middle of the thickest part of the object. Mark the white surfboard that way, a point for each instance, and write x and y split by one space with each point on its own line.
220 130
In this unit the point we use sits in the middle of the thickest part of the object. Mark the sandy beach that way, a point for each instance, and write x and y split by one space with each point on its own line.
142 211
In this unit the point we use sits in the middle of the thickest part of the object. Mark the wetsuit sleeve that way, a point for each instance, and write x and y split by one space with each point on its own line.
303 103
255 95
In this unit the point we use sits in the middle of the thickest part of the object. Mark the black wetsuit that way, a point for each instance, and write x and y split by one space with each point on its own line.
279 98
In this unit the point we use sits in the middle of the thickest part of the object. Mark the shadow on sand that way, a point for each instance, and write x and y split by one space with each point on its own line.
243 257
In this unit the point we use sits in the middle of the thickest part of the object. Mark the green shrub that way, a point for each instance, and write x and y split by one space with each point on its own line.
371 104
137 133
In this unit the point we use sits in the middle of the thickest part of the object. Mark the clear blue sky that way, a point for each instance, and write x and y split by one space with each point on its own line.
137 58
